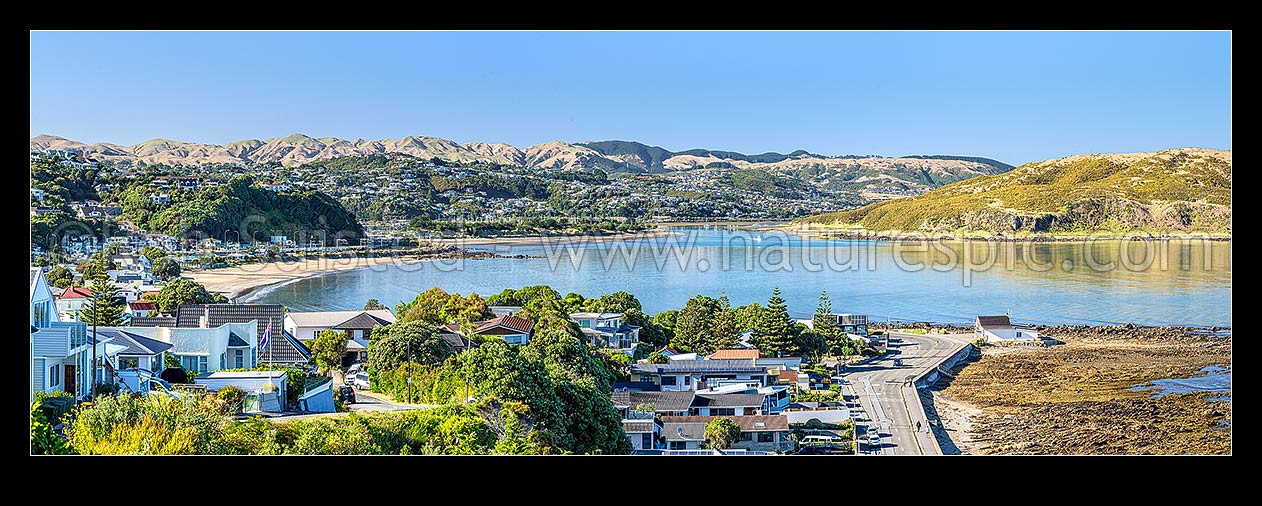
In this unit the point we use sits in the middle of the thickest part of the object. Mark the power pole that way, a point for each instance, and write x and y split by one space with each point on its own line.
409 366
92 386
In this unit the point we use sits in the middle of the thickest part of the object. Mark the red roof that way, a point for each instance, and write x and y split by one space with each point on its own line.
789 375
143 306
733 353
75 292
451 327
506 321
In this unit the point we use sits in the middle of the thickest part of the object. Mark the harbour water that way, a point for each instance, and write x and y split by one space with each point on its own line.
1178 282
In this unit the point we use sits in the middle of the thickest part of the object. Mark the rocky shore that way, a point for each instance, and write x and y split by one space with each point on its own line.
1078 398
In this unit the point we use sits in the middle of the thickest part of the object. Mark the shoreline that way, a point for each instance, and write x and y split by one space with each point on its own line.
897 236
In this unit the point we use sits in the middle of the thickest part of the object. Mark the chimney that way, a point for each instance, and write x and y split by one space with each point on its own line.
204 320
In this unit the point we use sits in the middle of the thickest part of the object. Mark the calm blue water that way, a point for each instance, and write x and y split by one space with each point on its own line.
1048 283
1209 379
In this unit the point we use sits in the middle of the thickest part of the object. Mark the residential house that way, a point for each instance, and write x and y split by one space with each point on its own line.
765 399
758 432
726 404
71 300
512 329
141 352
608 330
644 431
699 374
664 403
1000 328
38 195
783 370
504 310
161 199
61 352
856 324
735 353
457 342
825 412
284 349
141 308
358 325
206 349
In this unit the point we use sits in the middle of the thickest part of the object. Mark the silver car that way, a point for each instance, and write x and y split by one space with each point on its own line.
360 381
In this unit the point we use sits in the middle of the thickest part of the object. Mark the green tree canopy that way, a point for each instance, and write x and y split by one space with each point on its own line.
183 291
722 432
374 304
165 268
328 348
60 277
153 253
105 306
389 345
774 333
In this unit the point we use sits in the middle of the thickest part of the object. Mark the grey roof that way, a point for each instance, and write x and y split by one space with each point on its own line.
153 321
994 322
637 426
363 321
727 400
661 401
329 319
690 366
811 405
683 430
457 341
136 344
235 340
749 423
35 275
637 386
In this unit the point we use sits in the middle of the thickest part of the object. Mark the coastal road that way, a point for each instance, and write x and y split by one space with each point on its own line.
890 406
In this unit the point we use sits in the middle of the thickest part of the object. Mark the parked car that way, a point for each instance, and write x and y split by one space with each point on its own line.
346 394
360 381
898 362
354 369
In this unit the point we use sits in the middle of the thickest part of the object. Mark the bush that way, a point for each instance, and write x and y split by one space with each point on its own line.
151 425
44 440
233 398
107 389
54 404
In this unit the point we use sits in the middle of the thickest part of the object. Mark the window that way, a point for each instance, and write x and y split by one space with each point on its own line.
254 357
54 379
1018 334
195 363
678 445
747 436
766 437
668 380
646 440
722 411
128 362
587 324
238 360
223 360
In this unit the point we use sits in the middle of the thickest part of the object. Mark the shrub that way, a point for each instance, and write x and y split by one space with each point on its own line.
107 389
152 425
44 440
54 404
233 398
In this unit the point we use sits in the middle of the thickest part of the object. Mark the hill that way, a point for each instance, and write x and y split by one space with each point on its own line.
874 174
1173 191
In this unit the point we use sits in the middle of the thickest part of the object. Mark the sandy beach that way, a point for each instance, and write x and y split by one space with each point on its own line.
235 282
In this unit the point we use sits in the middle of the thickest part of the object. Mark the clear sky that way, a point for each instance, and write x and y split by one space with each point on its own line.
1013 96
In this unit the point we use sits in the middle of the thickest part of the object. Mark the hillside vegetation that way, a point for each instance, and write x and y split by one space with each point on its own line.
1178 190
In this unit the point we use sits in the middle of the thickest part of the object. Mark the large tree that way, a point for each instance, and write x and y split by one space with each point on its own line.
153 253
825 324
105 306
328 348
406 341
747 316
774 333
60 277
184 291
726 335
374 304
722 432
165 268
694 329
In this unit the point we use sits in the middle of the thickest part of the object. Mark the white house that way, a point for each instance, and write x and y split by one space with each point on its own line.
207 349
511 329
61 352
608 330
306 325
160 198
70 301
1000 328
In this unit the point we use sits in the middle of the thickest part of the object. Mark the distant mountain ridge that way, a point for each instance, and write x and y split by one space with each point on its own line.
917 172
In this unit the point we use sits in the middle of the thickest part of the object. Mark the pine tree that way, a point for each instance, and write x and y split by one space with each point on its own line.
775 330
104 304
826 325
724 325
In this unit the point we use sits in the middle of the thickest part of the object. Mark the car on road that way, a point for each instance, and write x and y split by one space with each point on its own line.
346 394
360 381
898 362
354 369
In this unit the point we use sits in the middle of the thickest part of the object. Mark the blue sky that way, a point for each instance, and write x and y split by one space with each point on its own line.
1013 96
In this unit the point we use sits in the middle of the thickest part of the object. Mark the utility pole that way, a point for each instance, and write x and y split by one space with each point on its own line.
92 386
409 366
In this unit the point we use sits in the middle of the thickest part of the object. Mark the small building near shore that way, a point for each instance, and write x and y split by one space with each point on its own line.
1001 328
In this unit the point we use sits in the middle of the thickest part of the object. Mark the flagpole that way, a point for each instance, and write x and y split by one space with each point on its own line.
269 352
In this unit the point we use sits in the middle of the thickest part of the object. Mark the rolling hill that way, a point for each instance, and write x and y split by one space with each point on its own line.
879 174
1174 191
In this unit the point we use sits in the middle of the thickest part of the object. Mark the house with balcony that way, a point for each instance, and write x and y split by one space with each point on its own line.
199 349
680 375
61 352
285 349
643 430
758 432
608 330
358 325
70 301
663 403
512 329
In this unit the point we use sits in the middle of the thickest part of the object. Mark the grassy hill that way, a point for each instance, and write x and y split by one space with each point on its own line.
1173 191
